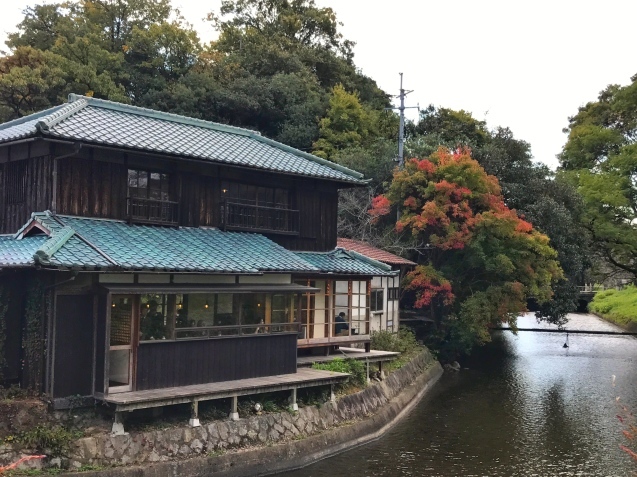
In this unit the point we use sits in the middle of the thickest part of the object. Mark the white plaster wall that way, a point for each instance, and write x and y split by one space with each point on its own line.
319 313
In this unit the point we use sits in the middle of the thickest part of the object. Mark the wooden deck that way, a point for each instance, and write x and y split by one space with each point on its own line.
129 401
333 341
353 353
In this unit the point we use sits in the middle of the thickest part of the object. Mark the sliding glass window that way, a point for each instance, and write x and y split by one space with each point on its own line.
208 315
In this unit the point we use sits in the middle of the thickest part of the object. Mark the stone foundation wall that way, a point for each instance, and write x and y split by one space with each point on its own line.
222 441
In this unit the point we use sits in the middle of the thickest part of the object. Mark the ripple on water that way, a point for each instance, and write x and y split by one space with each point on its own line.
525 407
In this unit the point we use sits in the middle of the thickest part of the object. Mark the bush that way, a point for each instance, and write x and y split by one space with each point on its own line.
54 441
403 342
350 366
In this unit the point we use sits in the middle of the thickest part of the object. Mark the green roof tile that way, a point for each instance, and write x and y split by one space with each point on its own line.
84 243
112 124
19 253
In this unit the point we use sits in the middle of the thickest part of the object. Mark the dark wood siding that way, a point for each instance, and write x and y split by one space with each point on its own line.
181 363
16 286
318 220
92 188
26 188
94 184
73 361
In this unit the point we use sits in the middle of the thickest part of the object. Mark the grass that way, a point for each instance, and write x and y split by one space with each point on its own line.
350 366
618 306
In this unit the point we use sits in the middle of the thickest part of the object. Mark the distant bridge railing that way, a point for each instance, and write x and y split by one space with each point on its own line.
591 289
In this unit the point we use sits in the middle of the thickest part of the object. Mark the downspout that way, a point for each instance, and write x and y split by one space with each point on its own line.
76 149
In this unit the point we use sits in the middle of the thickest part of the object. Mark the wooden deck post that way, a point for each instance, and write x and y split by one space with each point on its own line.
293 405
234 413
332 395
118 425
367 366
194 414
381 373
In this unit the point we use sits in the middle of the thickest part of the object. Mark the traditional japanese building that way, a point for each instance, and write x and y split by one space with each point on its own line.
385 291
147 251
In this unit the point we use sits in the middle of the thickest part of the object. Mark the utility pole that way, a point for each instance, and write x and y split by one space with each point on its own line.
401 132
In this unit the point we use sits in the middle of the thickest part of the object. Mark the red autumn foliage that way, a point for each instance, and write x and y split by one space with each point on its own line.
428 285
484 260
380 206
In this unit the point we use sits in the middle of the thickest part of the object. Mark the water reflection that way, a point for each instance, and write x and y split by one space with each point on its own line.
525 406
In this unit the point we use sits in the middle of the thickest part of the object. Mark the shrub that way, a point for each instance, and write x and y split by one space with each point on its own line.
350 366
402 342
54 441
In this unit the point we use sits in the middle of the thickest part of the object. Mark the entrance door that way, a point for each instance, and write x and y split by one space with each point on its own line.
121 352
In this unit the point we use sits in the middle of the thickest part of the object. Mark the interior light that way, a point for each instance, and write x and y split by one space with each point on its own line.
147 305
225 190
206 305
180 305
258 304
113 304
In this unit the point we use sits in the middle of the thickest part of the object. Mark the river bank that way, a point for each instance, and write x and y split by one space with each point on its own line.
617 306
522 405
260 445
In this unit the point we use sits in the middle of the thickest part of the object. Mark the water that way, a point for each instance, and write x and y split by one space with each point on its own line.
525 406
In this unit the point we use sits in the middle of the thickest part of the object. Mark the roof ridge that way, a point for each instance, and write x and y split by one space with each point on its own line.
54 243
87 242
55 118
30 117
154 113
211 125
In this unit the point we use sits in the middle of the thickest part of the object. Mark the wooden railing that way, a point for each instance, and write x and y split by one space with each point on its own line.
152 211
251 217
195 332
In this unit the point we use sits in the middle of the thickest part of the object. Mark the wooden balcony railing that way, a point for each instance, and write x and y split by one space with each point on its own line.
195 332
152 211
252 217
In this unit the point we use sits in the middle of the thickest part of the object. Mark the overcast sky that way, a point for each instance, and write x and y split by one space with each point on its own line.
525 65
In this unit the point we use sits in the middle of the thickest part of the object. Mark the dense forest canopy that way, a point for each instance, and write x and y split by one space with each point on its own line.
283 67
273 68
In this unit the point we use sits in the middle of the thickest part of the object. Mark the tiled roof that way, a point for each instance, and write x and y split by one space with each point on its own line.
347 263
372 252
83 243
18 253
112 124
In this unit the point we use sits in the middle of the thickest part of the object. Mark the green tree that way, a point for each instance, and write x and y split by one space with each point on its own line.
346 124
479 261
600 159
551 204
30 80
262 39
88 46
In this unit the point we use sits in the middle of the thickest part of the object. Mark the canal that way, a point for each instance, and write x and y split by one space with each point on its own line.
523 406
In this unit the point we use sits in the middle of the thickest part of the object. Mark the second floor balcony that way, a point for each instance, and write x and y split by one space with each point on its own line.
246 216
152 211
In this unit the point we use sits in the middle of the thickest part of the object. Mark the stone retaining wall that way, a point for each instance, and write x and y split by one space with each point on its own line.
272 442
